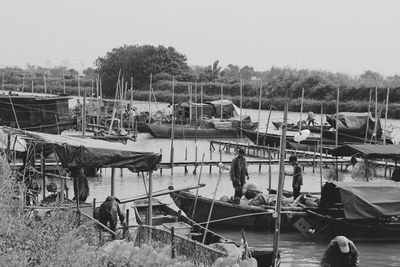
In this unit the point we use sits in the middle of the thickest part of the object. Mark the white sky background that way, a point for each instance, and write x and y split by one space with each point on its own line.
348 36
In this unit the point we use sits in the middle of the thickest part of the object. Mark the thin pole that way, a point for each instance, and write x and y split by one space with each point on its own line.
195 101
376 114
173 126
259 112
2 83
212 205
301 109
241 107
44 83
201 100
98 100
32 85
386 115
150 208
320 156
197 190
23 82
222 95
369 108
337 119
131 102
112 181
190 103
15 114
151 82
64 81
269 118
84 116
79 86
280 188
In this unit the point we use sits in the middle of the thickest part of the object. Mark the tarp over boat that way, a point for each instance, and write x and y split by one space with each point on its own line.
368 151
85 152
363 200
355 124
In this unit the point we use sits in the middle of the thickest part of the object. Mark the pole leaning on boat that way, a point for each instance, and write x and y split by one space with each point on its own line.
276 259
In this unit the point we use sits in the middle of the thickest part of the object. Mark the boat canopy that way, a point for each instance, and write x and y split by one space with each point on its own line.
363 200
368 151
87 152
228 108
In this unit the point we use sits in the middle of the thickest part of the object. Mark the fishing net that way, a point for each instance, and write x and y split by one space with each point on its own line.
192 250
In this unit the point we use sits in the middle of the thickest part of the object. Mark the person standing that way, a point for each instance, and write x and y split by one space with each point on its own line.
341 252
297 176
238 173
311 118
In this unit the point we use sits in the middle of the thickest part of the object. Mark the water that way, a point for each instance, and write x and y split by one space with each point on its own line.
295 251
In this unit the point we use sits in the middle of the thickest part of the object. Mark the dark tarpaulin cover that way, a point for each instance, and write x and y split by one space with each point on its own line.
355 123
85 152
367 151
364 200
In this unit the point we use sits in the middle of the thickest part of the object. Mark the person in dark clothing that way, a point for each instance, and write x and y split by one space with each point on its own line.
80 181
238 173
297 176
109 210
341 252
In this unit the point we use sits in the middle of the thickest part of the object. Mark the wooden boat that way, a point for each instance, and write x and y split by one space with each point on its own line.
234 215
165 218
358 210
48 114
304 126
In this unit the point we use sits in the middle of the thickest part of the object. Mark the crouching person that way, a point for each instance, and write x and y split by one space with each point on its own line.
341 252
108 213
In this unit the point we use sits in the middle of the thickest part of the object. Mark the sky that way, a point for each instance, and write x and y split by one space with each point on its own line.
348 36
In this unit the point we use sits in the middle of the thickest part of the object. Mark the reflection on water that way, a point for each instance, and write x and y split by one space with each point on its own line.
294 250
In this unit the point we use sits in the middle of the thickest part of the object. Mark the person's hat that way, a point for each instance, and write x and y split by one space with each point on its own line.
241 151
343 243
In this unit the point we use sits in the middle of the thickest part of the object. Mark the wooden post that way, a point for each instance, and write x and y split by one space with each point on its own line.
172 127
241 108
43 170
197 189
172 242
269 169
112 180
79 87
277 212
201 100
84 116
386 115
222 92
376 115
301 109
321 146
150 207
62 181
32 85
259 114
337 119
210 157
2 83
23 82
313 165
151 81
369 108
64 81
160 167
94 207
195 160
44 83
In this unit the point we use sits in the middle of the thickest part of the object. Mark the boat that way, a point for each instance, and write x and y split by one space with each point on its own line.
164 218
352 128
220 119
273 140
48 114
304 126
229 214
360 210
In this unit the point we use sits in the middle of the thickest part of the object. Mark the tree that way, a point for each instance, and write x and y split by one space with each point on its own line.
246 73
230 74
90 73
139 62
212 71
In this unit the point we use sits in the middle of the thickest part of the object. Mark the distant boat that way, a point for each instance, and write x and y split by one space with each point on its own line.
304 126
48 114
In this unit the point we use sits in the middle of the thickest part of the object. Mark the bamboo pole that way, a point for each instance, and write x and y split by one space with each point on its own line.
84 116
172 127
337 119
112 181
376 115
241 107
321 146
301 109
280 188
79 87
44 83
190 103
151 84
197 190
13 109
222 92
2 83
32 85
98 100
64 81
23 82
195 101
150 208
201 100
259 113
386 115
369 108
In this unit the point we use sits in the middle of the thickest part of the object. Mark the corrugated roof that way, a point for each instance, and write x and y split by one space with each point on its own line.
367 150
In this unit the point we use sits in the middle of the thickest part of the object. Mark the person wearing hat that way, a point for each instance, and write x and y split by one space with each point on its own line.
238 173
297 176
341 252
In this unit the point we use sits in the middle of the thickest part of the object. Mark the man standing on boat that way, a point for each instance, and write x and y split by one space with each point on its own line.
341 252
297 176
311 118
238 173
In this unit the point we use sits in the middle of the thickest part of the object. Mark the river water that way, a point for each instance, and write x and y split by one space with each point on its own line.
295 251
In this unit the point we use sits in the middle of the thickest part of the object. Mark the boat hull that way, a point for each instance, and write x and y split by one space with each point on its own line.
185 131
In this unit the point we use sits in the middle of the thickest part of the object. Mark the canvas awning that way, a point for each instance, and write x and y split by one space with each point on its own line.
368 151
87 152
364 200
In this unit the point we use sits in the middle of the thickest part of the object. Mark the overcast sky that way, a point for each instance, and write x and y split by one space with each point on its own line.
340 36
